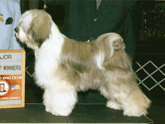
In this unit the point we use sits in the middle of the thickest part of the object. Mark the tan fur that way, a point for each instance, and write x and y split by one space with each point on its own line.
64 66
40 27
117 81
77 54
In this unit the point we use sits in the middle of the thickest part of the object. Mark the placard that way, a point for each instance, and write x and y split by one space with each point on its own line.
12 78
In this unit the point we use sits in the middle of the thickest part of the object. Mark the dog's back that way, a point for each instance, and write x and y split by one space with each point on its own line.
86 63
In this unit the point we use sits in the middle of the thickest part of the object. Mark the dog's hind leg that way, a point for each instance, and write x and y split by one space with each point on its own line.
125 94
111 103
136 103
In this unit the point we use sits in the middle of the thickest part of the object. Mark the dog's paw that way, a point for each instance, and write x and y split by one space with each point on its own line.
113 105
118 44
61 113
134 113
47 109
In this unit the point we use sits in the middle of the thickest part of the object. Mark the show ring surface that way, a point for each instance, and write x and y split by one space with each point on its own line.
82 113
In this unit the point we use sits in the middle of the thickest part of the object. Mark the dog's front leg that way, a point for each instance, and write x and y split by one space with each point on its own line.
60 100
63 102
47 99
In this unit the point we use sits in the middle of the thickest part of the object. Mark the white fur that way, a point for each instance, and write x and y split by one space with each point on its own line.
60 94
99 60
113 105
47 57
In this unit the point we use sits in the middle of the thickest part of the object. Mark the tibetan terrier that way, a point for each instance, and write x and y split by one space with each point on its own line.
64 66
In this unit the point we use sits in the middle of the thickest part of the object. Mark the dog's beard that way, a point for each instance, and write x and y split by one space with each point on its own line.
23 45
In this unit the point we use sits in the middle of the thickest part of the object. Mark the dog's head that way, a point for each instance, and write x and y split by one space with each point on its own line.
34 27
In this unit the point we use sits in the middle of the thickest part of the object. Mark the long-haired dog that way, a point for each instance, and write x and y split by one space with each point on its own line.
64 66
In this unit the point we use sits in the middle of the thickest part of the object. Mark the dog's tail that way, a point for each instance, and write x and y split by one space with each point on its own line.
119 59
110 47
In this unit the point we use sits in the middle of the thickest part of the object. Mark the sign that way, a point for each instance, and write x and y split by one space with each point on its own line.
12 78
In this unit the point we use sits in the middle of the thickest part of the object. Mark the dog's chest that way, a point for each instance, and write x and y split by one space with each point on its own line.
44 68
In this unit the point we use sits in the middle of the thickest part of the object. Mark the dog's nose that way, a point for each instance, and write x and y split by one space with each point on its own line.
16 29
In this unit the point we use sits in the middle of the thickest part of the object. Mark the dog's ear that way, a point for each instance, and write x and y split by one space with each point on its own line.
40 29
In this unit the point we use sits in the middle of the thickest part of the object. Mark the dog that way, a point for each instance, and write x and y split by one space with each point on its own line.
64 67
